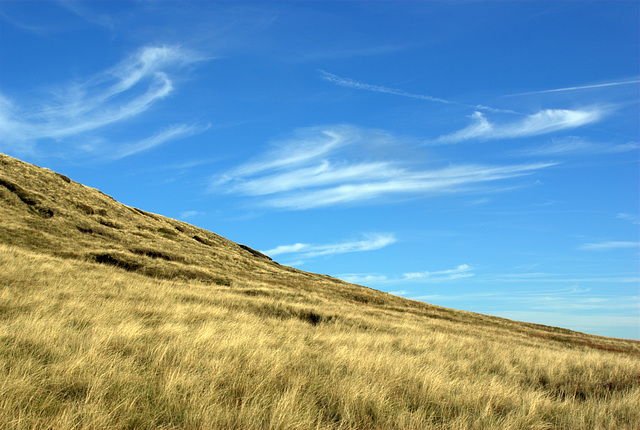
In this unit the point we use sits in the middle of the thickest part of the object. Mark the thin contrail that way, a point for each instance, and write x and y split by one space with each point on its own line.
348 82
584 87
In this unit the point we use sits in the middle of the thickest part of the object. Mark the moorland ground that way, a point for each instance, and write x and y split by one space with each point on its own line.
113 317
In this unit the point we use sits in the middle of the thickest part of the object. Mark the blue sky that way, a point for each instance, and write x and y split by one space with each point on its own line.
476 155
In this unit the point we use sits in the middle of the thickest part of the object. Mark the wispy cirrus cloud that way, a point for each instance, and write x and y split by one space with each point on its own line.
516 280
462 271
173 132
608 246
370 242
603 323
118 94
88 15
560 299
363 278
577 88
399 292
425 277
576 308
556 278
306 146
573 145
564 301
39 29
628 217
328 166
188 214
543 122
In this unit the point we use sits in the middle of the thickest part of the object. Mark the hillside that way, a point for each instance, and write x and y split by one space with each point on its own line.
113 317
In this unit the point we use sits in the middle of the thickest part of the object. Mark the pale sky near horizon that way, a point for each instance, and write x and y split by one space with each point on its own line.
481 156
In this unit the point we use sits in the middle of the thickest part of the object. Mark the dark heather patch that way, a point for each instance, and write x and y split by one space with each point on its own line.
254 252
113 259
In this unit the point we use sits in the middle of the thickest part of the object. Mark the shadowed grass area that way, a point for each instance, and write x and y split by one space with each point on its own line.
115 318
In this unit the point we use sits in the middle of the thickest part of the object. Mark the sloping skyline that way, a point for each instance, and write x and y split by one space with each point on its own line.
481 156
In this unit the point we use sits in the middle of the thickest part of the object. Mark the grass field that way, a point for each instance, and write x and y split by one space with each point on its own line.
114 318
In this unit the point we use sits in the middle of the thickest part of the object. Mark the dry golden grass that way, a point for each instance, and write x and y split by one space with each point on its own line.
136 324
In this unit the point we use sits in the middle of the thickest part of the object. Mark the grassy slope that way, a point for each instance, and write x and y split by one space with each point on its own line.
111 317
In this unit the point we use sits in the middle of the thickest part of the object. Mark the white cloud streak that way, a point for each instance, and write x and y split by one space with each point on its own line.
88 15
387 180
608 246
543 122
573 145
563 299
425 277
462 271
399 293
628 217
555 278
370 242
360 279
287 249
583 87
188 214
317 169
306 146
177 131
115 95
572 307
465 271
604 324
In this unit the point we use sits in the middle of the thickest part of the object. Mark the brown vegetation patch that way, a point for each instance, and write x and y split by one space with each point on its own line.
68 391
43 211
165 270
11 311
108 223
202 240
254 252
13 348
282 311
168 233
63 177
33 200
157 254
363 297
86 229
255 293
141 212
582 390
604 347
196 299
568 338
118 260
85 208
189 274
24 195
